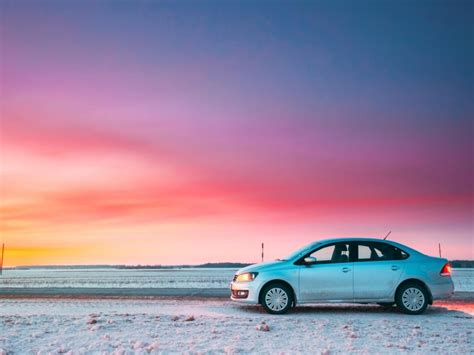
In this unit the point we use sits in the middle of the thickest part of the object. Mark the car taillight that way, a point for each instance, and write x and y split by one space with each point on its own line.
446 270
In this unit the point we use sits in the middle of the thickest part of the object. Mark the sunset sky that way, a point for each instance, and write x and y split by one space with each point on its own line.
169 132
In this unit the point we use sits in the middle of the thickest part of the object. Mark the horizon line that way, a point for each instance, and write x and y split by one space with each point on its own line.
156 265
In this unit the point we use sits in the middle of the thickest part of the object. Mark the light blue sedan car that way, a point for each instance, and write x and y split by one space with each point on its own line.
349 270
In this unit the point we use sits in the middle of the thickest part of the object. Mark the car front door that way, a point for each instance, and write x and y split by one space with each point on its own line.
330 278
377 269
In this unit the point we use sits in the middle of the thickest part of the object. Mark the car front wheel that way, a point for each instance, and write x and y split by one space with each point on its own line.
412 298
276 298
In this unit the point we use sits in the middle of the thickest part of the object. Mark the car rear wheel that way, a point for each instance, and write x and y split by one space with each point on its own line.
276 298
412 298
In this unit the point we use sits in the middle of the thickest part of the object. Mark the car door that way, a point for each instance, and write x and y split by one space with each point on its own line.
330 278
377 269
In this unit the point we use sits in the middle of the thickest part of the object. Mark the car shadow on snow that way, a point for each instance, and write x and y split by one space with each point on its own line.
358 309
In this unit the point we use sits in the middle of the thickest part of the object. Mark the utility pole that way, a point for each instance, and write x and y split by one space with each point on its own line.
263 246
439 249
1 260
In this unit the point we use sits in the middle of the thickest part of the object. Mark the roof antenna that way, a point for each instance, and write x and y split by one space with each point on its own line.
387 235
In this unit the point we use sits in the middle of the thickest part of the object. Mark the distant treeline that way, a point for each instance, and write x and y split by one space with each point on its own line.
454 264
207 265
462 264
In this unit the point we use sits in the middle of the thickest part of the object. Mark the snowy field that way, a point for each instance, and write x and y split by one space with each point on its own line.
118 278
463 279
172 278
217 326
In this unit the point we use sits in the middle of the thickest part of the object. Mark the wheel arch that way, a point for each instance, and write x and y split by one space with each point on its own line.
417 281
277 281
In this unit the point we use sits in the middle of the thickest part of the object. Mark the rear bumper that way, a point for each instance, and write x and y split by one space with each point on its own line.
443 289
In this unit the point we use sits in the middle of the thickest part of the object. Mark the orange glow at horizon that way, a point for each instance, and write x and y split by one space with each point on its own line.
96 211
31 255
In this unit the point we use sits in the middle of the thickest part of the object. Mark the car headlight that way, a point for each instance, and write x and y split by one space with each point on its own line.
246 277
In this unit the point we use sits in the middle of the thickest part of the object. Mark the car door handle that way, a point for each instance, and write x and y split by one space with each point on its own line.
395 267
345 269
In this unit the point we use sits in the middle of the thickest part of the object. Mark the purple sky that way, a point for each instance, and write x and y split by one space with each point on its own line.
165 124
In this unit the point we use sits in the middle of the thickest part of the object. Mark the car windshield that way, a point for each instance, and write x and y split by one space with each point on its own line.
301 251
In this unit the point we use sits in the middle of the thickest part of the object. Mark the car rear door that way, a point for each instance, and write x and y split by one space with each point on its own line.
330 278
377 270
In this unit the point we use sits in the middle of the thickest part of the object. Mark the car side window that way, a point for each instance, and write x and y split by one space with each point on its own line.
334 253
373 251
364 252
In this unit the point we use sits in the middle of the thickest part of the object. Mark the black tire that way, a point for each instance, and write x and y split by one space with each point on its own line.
387 305
412 298
280 294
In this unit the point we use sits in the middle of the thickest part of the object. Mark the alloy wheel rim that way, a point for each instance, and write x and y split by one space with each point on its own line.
413 299
276 299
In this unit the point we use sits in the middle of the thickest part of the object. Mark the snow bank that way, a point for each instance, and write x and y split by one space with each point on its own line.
117 278
463 280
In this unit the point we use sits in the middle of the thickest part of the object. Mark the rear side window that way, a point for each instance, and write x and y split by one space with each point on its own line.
373 251
365 252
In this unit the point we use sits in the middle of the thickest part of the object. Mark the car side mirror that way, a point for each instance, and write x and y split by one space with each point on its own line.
310 260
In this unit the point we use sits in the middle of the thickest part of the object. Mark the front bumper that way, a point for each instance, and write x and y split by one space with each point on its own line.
239 289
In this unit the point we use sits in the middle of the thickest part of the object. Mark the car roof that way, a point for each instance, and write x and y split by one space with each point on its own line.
363 239
351 239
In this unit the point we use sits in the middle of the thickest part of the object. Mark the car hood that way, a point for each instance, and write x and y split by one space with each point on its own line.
266 266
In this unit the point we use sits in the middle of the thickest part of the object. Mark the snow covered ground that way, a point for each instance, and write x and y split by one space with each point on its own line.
170 278
124 326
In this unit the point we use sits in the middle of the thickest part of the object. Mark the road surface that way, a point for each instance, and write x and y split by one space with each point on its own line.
84 292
